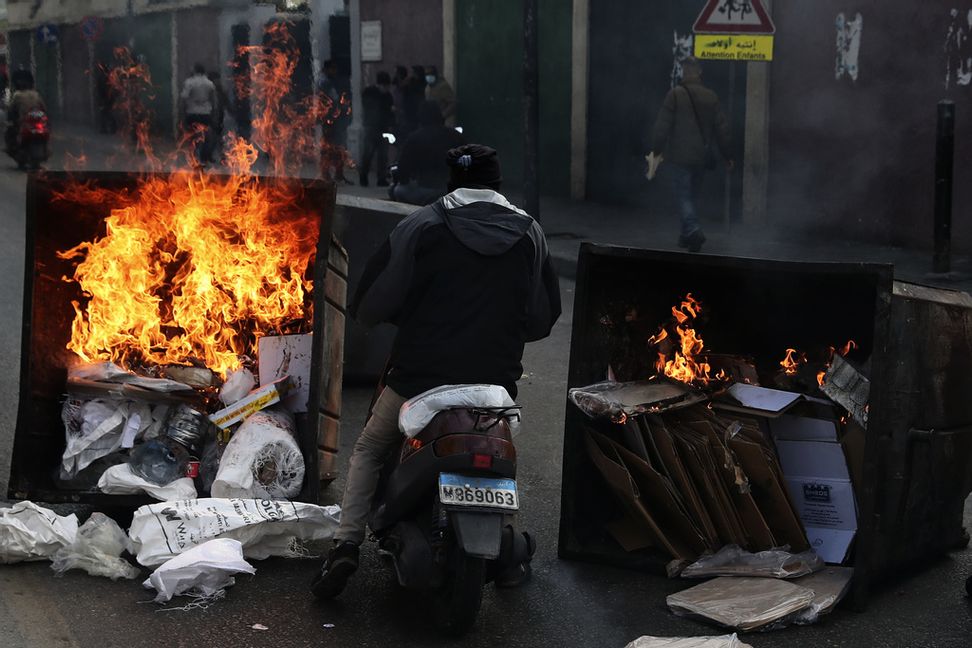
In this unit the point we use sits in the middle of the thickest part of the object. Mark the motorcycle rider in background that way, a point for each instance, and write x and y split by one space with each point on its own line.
24 99
468 281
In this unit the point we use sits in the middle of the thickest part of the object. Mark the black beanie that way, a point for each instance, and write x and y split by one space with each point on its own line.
474 165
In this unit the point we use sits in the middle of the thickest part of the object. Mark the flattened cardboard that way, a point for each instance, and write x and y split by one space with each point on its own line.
759 401
681 478
770 494
618 477
657 493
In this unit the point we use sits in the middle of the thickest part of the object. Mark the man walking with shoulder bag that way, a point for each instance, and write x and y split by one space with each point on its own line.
689 126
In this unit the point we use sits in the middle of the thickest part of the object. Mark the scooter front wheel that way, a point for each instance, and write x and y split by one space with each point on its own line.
456 603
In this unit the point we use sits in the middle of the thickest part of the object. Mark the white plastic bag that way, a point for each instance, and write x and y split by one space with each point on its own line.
238 384
95 428
724 641
201 571
418 412
741 603
262 459
31 532
264 527
120 480
732 560
97 549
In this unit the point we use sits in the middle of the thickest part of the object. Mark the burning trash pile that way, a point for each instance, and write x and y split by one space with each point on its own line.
191 299
742 469
173 322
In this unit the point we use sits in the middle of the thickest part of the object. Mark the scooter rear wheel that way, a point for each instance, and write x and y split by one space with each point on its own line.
456 603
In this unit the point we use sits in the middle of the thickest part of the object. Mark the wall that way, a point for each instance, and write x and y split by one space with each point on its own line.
489 63
411 36
76 78
632 58
855 159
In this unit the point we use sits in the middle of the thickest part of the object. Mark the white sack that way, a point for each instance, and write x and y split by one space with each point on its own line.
238 384
97 549
120 480
31 532
99 427
418 412
203 570
264 527
725 641
261 460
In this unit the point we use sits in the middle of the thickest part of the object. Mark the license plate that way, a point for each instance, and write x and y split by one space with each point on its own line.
480 492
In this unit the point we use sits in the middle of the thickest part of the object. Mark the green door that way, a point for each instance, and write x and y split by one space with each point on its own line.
489 70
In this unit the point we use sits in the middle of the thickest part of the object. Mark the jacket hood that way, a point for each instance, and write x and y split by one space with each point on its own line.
484 220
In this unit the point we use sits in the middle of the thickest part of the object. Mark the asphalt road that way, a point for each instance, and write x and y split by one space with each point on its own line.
566 604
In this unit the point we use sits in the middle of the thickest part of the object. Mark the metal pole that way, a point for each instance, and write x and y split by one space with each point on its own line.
727 200
944 162
531 109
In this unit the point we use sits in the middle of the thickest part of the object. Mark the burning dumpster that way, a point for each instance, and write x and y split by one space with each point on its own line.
146 296
718 401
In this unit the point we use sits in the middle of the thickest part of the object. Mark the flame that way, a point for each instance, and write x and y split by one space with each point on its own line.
844 350
195 267
792 362
684 365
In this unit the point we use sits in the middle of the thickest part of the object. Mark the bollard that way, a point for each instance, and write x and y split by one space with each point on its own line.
944 162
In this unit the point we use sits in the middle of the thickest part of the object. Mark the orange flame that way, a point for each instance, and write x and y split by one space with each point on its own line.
684 364
792 362
195 267
844 350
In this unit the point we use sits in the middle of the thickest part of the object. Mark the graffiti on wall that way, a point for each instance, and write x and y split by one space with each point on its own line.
681 50
958 49
848 46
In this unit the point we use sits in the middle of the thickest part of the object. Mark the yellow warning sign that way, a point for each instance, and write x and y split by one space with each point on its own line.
734 47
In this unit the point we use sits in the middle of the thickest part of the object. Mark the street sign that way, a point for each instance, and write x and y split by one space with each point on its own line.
47 34
734 47
92 27
734 30
734 17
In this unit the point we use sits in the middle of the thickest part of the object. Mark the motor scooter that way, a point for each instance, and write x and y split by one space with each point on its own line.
445 512
30 146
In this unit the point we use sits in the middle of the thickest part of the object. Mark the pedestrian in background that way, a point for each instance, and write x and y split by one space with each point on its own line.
690 124
336 113
379 118
439 91
198 102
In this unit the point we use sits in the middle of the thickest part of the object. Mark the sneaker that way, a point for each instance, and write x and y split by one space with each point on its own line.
695 240
341 562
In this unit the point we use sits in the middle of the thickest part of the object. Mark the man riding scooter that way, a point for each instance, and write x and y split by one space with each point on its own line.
24 100
468 281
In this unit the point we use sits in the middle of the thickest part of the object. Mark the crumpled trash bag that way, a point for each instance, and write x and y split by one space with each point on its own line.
264 527
262 459
31 532
733 560
419 411
97 549
238 384
202 571
724 641
120 480
95 429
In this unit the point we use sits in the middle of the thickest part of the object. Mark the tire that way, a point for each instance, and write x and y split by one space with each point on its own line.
456 603
36 153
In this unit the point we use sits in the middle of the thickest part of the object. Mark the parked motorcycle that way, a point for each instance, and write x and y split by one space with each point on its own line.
30 145
446 512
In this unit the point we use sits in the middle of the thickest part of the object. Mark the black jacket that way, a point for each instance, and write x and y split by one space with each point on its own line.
468 281
423 156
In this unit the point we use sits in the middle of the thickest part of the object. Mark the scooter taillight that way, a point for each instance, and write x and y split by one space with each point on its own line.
474 444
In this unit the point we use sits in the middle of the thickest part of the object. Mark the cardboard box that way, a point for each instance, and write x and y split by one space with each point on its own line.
288 355
258 399
819 482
